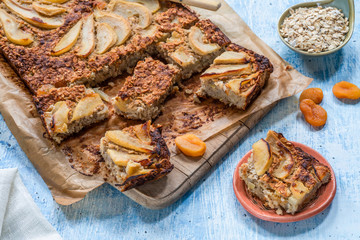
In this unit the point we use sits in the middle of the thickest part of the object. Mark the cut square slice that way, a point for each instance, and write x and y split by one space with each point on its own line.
144 92
193 49
65 111
236 77
175 16
135 155
283 176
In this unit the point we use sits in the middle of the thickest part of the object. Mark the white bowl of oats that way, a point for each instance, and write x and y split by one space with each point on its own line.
317 28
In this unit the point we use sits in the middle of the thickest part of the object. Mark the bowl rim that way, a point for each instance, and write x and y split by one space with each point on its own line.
313 208
351 19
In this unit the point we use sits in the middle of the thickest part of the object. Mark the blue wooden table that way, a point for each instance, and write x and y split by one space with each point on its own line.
210 210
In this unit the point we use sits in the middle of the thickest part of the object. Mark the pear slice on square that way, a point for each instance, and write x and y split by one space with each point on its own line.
68 40
286 165
262 156
152 5
131 9
125 140
47 10
135 168
196 41
182 57
12 31
121 158
298 190
287 162
87 43
142 131
119 24
225 70
33 17
106 37
230 57
87 106
60 117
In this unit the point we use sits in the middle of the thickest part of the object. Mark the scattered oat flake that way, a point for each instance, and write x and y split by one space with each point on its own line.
315 29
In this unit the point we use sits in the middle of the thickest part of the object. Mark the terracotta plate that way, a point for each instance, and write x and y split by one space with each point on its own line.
325 194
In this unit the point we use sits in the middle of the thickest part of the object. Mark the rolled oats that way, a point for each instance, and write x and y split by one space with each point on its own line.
315 29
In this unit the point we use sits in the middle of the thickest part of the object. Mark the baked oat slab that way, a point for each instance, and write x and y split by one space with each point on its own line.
193 49
283 176
236 77
143 93
65 111
135 155
82 42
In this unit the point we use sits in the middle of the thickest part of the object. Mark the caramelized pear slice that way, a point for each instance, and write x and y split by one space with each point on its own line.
87 106
196 41
130 9
60 117
235 84
285 167
56 1
47 10
106 37
142 131
298 190
262 156
150 31
152 5
68 40
12 31
119 24
87 43
125 140
33 17
122 158
120 104
217 71
103 95
134 168
230 57
182 57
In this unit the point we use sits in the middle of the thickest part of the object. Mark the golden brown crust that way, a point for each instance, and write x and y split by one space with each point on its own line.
213 33
150 81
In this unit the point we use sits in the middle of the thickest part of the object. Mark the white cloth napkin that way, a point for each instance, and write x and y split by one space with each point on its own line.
20 218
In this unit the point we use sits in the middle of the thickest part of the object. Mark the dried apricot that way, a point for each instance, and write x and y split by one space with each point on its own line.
314 114
190 145
346 90
315 94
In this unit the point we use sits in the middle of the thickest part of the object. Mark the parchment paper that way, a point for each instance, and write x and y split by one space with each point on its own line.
69 186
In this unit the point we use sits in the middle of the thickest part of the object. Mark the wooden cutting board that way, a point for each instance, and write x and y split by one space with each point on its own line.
188 171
